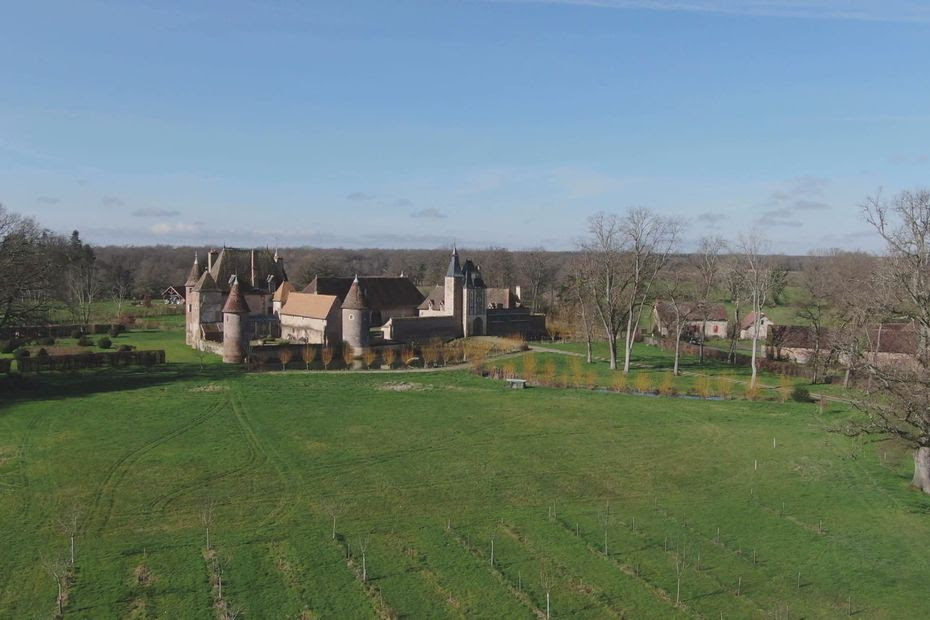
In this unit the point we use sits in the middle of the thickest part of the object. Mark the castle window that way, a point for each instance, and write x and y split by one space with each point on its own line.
351 317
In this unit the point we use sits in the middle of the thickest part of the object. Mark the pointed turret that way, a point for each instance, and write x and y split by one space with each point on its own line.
235 303
206 283
354 299
455 270
194 275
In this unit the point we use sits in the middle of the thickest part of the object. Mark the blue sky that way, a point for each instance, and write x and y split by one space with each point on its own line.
413 124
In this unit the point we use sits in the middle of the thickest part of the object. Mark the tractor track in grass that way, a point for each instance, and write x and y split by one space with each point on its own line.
253 461
288 499
104 494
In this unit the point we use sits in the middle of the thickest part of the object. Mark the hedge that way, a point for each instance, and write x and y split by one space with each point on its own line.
79 361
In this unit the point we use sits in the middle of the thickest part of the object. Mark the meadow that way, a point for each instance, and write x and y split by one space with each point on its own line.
452 496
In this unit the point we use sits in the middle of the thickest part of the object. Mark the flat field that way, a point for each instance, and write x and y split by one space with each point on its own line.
729 507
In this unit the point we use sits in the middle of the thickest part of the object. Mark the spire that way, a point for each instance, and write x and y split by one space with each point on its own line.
354 299
235 303
194 275
455 270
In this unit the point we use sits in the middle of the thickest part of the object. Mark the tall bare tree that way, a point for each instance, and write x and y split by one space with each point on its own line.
82 278
707 267
758 273
625 254
577 287
900 407
537 268
676 298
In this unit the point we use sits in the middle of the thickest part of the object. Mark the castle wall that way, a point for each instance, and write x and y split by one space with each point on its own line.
515 321
422 328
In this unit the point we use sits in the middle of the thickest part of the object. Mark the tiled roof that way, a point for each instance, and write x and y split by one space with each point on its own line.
309 305
691 311
380 292
283 291
354 299
235 303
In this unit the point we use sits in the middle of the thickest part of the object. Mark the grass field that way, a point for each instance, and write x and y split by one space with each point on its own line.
424 471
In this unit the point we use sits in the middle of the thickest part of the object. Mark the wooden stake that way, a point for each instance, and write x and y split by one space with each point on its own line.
739 585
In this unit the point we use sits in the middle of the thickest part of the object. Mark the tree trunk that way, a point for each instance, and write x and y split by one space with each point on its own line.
589 353
628 343
612 345
922 469
755 338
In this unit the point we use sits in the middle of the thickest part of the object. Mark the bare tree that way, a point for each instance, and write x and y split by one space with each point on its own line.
901 405
577 286
537 268
676 294
734 281
708 267
625 255
60 572
82 279
68 524
758 272
817 284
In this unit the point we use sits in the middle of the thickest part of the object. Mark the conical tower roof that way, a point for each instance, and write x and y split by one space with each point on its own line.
235 303
194 275
455 270
354 299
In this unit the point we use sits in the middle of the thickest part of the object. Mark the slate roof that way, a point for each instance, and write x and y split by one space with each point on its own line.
454 270
472 275
206 283
747 322
437 295
194 275
238 262
380 292
310 305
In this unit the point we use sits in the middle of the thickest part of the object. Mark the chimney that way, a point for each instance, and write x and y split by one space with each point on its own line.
211 255
252 278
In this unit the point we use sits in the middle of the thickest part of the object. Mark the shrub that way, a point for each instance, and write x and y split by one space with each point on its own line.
8 346
76 333
643 382
621 383
801 394
529 367
47 341
85 341
124 347
116 329
549 373
104 342
702 387
752 392
667 387
724 387
21 353
785 386
42 353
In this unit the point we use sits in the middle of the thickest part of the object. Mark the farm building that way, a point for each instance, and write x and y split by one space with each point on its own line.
713 319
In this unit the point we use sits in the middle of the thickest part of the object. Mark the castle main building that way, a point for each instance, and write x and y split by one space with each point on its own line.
245 294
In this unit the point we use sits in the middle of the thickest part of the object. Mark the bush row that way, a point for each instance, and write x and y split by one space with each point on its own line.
88 360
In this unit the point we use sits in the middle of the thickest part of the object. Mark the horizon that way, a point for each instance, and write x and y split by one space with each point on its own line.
486 123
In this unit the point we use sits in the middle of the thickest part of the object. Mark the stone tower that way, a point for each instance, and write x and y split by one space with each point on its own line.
191 322
474 301
355 319
235 326
453 285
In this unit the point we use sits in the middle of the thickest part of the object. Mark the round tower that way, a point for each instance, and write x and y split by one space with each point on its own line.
355 320
191 321
235 326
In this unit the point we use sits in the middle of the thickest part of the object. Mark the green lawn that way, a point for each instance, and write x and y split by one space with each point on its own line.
429 469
